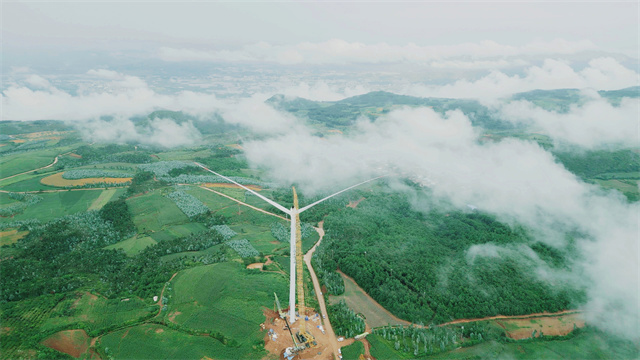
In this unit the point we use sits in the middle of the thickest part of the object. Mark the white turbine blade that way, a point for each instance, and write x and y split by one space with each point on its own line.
278 206
339 192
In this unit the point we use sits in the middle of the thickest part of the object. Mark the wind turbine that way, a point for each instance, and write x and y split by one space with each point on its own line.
295 242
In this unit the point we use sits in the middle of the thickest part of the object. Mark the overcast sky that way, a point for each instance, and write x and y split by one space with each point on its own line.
113 26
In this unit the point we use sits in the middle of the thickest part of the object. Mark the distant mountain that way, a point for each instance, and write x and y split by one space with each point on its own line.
344 113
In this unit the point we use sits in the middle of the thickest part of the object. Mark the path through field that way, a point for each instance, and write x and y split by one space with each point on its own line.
242 203
26 172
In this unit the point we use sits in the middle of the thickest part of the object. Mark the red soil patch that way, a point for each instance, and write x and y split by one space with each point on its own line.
159 331
154 156
274 242
72 342
353 204
255 266
550 326
172 316
75 155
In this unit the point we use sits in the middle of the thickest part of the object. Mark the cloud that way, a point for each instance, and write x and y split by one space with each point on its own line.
337 51
119 95
595 124
38 82
321 91
600 74
516 180
159 132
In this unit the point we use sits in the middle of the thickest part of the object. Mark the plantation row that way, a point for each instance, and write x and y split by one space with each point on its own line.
283 234
345 321
243 247
77 174
225 231
189 204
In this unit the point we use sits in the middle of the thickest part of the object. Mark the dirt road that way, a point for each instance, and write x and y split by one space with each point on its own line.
318 290
242 203
26 172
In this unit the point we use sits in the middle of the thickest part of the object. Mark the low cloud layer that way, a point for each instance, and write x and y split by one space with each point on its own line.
337 51
517 180
600 74
159 132
595 124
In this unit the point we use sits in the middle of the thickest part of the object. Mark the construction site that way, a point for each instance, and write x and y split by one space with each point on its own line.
289 341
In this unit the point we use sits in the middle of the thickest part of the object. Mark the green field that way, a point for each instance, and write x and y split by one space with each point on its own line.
176 231
57 204
133 245
152 212
353 351
103 199
194 254
95 312
150 341
212 200
225 298
19 163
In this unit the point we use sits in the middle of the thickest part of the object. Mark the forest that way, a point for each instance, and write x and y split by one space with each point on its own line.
417 265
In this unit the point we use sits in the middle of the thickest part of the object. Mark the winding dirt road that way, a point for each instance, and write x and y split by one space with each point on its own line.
26 172
316 287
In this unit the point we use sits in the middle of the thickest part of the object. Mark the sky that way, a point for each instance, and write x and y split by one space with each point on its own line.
80 61
611 26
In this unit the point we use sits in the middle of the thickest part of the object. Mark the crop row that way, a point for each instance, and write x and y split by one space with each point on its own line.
189 204
243 247
77 174
197 179
225 231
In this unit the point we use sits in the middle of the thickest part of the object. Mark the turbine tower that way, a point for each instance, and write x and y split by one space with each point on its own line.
295 244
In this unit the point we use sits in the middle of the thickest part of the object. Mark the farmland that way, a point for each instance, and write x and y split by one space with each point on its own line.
81 266
58 180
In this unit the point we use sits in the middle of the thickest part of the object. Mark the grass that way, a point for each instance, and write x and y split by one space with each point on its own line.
225 298
19 163
177 231
95 312
381 350
103 199
26 182
353 351
133 245
150 341
212 200
152 212
57 204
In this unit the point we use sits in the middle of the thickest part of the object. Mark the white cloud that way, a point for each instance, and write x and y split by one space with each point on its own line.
595 124
38 82
601 74
337 51
159 132
122 95
516 180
